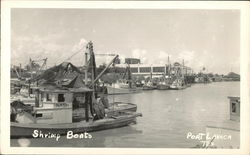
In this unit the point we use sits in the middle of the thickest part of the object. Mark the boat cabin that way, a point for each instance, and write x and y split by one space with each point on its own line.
54 106
234 108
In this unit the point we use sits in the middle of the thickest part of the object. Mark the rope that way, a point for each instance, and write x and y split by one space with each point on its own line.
80 50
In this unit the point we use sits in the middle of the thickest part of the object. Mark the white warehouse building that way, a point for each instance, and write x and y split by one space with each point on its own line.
158 69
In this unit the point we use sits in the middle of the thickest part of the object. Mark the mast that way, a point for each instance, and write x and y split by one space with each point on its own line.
20 70
30 69
151 74
92 61
93 67
169 67
129 77
182 68
86 70
86 82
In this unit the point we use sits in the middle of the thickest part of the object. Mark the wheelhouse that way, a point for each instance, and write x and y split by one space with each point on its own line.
58 105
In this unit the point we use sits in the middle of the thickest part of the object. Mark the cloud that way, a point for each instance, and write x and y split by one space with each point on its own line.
76 54
80 45
195 60
186 55
162 57
36 47
138 53
141 54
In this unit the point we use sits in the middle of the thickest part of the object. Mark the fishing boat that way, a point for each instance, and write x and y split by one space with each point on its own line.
138 84
120 107
177 84
72 106
53 113
26 130
124 85
121 88
163 86
164 83
149 86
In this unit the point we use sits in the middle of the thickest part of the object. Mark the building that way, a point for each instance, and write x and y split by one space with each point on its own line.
234 108
158 69
231 77
132 61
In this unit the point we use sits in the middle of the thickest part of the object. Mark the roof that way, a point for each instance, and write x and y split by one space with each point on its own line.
77 82
234 97
232 75
65 90
64 75
65 70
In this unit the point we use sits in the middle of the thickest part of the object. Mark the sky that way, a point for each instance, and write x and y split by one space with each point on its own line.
203 38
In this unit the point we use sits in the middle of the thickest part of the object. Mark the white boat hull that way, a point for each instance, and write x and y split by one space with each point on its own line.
114 90
26 130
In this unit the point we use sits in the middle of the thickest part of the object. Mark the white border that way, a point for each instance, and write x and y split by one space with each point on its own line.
5 72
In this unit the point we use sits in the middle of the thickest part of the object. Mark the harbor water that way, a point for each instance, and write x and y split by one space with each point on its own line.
168 116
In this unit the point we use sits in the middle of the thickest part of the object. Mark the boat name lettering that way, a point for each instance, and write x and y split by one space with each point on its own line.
61 105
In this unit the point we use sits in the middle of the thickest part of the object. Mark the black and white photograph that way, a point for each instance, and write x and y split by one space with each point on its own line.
110 77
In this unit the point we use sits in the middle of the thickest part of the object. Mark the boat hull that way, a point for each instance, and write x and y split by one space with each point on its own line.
26 130
162 87
148 87
120 107
114 91
177 88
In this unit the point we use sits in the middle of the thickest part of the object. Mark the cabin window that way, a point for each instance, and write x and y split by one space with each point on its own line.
31 91
61 98
42 96
78 102
48 97
39 115
233 107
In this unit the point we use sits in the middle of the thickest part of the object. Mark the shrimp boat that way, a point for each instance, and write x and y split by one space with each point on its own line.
76 107
54 112
123 86
163 86
177 84
149 86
